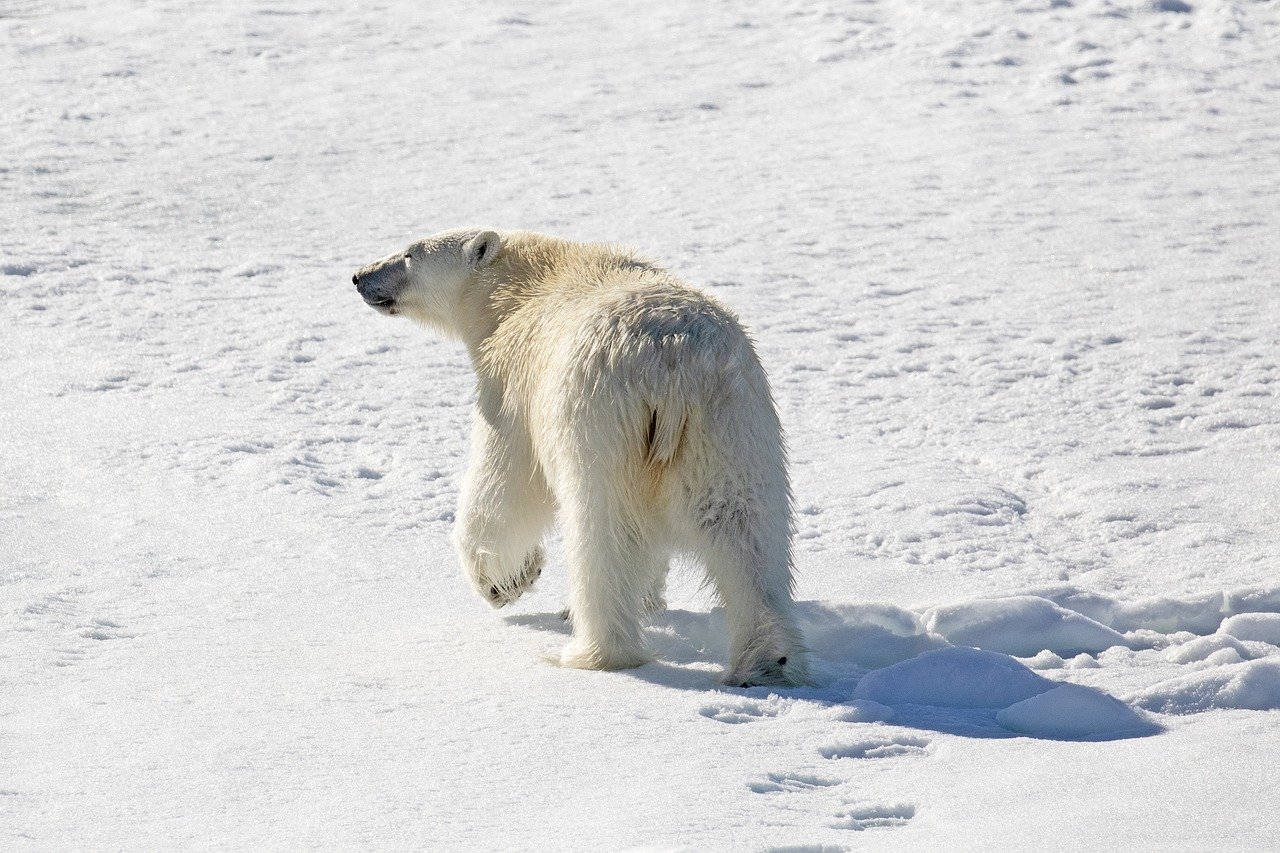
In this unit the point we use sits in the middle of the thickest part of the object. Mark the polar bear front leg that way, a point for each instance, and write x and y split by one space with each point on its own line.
504 511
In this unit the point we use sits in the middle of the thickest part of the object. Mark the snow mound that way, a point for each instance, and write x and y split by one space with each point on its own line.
869 635
1257 627
1257 599
1026 703
1096 606
1216 648
1046 660
1073 712
1199 614
1022 625
953 678
1252 685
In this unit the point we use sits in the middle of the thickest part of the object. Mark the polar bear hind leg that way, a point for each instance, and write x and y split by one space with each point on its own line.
614 567
740 529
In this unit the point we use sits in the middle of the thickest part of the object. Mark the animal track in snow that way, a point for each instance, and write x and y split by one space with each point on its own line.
861 818
105 629
742 712
877 748
779 783
68 656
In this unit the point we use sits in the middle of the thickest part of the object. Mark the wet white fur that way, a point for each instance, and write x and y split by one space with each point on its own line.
634 407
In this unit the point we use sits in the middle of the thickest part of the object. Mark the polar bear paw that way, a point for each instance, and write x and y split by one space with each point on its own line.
789 670
584 654
500 592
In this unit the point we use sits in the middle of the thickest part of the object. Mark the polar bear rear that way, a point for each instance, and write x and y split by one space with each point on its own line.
635 407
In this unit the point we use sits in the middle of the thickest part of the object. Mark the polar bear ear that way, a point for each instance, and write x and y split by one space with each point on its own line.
481 249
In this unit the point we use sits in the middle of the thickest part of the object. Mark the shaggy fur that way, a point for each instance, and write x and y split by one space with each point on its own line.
632 405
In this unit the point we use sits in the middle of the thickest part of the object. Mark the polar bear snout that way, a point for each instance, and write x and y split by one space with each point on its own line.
381 283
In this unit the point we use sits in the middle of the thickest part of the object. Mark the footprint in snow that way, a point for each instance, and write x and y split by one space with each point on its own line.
106 629
738 712
850 816
860 818
877 748
780 783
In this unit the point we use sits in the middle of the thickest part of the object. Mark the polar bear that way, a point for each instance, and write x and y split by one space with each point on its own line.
632 405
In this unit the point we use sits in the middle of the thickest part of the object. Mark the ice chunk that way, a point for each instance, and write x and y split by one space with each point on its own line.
1022 625
1258 627
1073 712
953 678
1253 685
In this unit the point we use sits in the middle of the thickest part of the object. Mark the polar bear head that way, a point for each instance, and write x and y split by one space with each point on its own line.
427 280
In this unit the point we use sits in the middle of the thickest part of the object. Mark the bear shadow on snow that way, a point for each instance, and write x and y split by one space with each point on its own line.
850 642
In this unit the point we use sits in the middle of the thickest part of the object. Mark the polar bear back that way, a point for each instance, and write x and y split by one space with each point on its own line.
615 330
604 360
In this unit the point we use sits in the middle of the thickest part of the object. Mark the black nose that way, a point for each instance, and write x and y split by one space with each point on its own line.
355 279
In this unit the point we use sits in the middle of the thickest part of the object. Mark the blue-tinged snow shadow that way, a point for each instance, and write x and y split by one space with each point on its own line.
554 623
879 663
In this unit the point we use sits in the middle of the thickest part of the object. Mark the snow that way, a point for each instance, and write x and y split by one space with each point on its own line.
1203 648
865 635
1254 685
1047 660
1073 712
1259 627
1026 703
1010 267
1021 625
863 711
955 678
1262 599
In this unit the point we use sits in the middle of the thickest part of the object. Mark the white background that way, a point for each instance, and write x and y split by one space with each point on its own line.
1010 265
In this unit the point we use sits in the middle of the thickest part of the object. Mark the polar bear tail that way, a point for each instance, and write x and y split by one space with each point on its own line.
666 426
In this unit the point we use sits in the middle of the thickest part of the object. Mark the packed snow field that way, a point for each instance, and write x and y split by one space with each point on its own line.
1010 265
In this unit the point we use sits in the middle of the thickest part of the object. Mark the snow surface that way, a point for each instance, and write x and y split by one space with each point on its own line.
1010 264
1259 627
957 678
1218 648
1254 685
1021 625
1073 711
